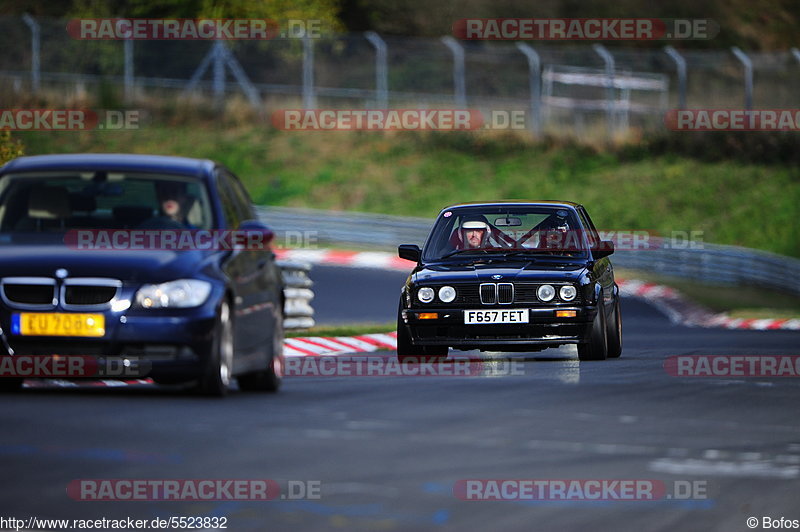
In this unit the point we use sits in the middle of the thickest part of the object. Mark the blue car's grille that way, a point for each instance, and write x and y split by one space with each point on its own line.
29 294
88 295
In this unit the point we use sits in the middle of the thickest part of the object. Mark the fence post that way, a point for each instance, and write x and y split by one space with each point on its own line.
236 69
381 69
459 85
680 64
608 59
309 100
535 84
128 75
35 47
748 76
219 75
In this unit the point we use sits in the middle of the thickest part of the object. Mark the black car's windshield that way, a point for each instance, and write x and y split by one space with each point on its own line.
56 202
510 230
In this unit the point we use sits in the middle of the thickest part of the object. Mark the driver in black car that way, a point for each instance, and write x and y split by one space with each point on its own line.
476 234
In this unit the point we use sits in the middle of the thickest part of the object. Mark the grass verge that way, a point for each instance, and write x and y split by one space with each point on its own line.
355 329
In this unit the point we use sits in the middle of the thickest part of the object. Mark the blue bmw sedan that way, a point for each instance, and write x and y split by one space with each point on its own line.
155 263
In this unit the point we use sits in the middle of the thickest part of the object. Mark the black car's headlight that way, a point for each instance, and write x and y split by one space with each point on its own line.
447 294
183 293
425 294
567 292
546 292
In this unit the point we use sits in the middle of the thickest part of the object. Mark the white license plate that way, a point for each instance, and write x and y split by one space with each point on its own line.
509 315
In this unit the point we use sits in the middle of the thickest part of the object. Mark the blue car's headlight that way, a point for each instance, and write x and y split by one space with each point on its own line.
183 293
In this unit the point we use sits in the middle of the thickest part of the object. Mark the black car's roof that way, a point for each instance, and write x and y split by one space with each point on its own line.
497 203
115 162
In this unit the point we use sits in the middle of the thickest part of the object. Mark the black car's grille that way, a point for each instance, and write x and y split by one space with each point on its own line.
481 294
29 294
88 295
505 293
488 294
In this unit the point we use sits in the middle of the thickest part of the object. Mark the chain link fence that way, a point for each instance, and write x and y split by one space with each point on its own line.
572 87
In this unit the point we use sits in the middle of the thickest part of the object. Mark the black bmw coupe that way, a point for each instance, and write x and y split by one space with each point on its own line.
510 276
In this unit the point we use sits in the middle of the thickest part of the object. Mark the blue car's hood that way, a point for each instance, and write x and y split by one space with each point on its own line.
126 265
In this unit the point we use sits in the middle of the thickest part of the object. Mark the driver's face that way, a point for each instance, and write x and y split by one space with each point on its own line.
474 237
170 199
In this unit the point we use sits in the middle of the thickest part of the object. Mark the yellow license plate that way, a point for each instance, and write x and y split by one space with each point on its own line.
58 324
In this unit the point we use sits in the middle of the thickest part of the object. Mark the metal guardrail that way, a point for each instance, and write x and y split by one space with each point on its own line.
297 310
317 227
709 263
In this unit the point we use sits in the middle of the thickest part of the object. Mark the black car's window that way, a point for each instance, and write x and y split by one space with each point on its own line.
591 232
57 202
515 229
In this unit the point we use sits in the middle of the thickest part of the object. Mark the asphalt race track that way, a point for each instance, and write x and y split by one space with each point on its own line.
388 451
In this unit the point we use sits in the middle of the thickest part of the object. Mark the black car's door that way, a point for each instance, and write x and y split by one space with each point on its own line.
253 279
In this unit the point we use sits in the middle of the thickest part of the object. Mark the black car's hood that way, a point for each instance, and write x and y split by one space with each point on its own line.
126 265
514 270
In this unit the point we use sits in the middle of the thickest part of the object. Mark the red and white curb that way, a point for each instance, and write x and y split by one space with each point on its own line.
681 310
339 345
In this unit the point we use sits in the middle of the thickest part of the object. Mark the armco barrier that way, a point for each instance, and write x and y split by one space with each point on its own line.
708 263
297 310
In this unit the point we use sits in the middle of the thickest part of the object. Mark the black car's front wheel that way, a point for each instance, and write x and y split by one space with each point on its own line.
407 352
216 375
615 333
597 346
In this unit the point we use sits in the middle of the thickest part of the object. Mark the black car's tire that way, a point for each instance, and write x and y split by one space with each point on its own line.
216 375
407 352
615 333
10 384
597 346
270 379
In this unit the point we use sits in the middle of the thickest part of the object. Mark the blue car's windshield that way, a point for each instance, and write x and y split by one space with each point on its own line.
471 232
56 202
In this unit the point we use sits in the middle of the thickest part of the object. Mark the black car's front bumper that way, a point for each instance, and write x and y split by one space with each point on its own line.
544 329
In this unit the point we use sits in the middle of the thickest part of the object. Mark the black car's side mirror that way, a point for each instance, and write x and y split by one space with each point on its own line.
603 249
409 252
